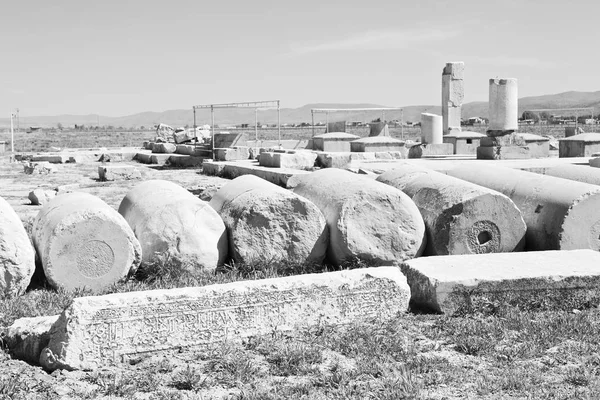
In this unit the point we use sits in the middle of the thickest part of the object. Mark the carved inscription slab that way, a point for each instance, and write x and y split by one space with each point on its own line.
103 330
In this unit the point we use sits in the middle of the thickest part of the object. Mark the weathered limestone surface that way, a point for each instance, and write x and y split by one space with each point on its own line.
168 148
297 160
377 144
453 90
432 128
104 330
580 173
460 217
268 224
345 159
118 172
366 219
232 153
40 196
503 105
172 223
429 150
564 280
334 141
51 158
82 241
27 337
17 257
560 214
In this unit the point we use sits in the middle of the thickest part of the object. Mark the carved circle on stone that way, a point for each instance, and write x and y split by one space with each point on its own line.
483 237
95 258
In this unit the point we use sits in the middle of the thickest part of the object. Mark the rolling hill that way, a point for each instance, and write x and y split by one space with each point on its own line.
235 116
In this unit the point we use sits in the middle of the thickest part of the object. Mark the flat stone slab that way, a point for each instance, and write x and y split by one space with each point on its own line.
51 158
118 172
545 279
233 169
105 330
232 153
431 150
296 160
346 159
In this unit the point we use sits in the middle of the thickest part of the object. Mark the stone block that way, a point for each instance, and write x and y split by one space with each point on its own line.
379 129
556 280
27 337
118 173
335 141
186 149
430 150
232 153
40 196
299 160
51 158
164 148
456 70
504 153
223 140
182 161
105 330
376 144
212 168
595 162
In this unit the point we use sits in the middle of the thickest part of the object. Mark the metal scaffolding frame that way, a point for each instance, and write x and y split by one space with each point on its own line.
267 104
326 111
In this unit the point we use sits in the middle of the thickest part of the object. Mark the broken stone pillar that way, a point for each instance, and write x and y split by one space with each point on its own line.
579 173
460 217
172 224
83 242
106 330
367 219
503 106
453 93
431 129
17 257
560 214
268 224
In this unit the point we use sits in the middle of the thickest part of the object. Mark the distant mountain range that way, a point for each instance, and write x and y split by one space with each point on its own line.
234 116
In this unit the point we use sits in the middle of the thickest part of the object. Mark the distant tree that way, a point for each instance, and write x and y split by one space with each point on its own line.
59 126
142 127
376 120
530 115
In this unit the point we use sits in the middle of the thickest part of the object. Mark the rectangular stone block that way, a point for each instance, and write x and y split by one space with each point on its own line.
465 283
118 172
298 160
183 161
51 158
431 150
212 168
104 330
232 153
456 70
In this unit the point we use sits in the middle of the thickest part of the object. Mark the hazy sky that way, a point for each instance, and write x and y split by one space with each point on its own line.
118 57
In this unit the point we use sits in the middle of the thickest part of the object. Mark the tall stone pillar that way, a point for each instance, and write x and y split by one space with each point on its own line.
431 128
503 106
453 93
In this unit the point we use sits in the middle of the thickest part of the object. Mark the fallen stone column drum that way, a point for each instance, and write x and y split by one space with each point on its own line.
269 224
367 219
503 105
431 129
83 242
17 257
172 224
560 214
460 217
579 173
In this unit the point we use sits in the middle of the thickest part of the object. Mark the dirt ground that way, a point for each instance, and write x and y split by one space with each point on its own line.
15 185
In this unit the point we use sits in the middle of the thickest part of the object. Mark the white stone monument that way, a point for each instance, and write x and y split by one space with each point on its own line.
503 105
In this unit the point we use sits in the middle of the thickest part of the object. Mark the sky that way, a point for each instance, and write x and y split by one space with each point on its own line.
120 57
